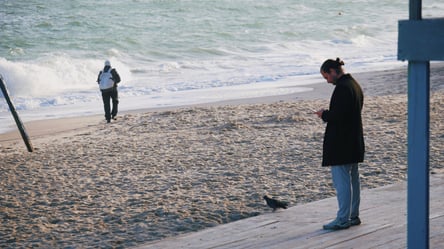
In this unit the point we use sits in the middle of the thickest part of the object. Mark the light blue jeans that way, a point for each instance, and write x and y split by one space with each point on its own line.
347 185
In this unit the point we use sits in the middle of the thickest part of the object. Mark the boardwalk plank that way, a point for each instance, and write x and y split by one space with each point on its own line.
383 214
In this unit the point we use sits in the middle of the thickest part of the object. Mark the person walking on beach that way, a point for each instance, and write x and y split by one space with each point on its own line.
107 80
343 146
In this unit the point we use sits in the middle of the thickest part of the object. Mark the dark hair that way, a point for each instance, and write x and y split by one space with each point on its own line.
332 64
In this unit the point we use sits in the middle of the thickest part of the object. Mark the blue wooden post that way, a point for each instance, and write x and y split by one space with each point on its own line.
418 146
419 41
418 155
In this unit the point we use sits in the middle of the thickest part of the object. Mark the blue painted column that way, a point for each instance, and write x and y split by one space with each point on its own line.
418 154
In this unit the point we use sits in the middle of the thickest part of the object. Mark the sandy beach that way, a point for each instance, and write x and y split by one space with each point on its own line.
153 174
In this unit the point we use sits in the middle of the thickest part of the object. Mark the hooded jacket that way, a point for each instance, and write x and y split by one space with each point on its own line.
344 138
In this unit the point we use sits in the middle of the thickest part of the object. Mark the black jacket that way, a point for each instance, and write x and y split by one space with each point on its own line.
344 139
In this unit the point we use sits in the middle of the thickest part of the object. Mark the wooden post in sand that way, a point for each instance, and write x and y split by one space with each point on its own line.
19 123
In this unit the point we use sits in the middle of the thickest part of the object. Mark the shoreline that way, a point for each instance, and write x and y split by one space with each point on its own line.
376 83
152 175
42 127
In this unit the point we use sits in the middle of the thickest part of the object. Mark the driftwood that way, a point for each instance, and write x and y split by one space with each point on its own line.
19 123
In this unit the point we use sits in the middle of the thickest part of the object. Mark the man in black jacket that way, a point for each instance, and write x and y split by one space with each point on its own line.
343 146
107 80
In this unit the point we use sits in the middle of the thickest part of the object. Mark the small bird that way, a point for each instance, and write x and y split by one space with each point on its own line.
275 204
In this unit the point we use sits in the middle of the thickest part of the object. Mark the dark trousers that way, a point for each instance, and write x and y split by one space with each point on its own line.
108 95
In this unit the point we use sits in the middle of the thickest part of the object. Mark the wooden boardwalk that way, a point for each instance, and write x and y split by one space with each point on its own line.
383 215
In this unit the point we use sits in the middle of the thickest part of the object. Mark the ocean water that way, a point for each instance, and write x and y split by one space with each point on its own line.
177 52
